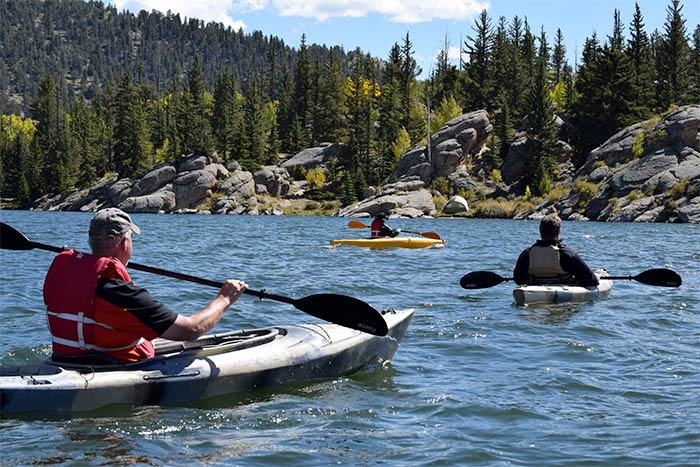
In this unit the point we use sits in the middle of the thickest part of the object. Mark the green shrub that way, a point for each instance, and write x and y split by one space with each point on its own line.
496 176
585 188
441 184
545 185
635 195
557 193
679 189
651 123
494 208
320 195
638 146
315 177
654 138
670 205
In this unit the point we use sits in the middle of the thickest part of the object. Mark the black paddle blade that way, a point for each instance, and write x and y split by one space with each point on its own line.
661 277
481 280
11 239
345 311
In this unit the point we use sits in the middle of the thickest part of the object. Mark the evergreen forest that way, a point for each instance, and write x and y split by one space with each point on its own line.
86 90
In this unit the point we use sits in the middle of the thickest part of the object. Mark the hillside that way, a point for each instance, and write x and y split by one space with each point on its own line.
92 44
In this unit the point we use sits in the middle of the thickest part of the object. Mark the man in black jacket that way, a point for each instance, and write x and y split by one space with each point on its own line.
549 261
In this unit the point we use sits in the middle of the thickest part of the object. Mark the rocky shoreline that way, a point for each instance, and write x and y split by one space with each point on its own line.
648 172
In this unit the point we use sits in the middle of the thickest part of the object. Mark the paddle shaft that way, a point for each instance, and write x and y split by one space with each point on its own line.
199 280
176 275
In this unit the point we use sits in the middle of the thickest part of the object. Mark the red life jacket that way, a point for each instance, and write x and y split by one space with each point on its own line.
79 322
376 228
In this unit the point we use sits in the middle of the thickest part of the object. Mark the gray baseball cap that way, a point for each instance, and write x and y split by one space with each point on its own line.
111 223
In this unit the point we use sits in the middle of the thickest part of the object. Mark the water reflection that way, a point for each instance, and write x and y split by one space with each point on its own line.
551 314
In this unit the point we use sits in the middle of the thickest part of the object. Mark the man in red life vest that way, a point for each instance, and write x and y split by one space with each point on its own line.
380 229
549 261
94 310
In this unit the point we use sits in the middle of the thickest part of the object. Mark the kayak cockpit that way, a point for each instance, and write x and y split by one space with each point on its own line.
165 350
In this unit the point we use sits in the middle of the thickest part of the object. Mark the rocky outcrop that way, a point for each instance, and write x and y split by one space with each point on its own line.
272 180
407 198
312 157
516 162
450 149
642 174
185 186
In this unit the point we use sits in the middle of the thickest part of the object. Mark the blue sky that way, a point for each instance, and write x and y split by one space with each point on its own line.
375 25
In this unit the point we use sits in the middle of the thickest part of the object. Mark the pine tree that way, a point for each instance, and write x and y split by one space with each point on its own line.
588 128
444 78
255 129
222 120
197 137
408 71
643 74
389 111
616 70
499 64
528 56
132 146
515 76
301 100
541 134
672 60
47 110
85 137
694 74
331 123
558 56
477 78
20 161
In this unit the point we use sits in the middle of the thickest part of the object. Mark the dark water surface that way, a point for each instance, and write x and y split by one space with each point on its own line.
477 381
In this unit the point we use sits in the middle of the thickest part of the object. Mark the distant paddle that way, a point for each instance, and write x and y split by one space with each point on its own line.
360 225
659 277
339 309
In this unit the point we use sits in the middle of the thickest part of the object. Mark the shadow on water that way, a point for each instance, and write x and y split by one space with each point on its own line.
551 314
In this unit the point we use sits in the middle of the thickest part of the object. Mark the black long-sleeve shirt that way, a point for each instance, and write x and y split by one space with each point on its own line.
568 259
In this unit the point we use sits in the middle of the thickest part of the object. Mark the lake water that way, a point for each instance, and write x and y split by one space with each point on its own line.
477 381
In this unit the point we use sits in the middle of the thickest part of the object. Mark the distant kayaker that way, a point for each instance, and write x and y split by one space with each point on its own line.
549 261
95 310
380 229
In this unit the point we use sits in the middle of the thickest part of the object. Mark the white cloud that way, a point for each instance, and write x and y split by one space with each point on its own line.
454 53
206 10
398 11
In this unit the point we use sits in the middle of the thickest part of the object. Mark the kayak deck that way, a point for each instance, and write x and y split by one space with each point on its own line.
216 365
389 242
539 294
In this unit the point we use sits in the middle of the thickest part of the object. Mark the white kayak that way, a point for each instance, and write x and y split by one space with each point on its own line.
538 294
216 365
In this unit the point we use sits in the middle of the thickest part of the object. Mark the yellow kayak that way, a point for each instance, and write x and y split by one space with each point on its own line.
388 242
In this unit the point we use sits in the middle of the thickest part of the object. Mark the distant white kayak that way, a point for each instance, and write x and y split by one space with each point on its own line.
536 294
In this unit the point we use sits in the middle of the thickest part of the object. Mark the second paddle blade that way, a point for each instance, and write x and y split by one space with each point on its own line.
12 239
345 311
661 277
480 280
